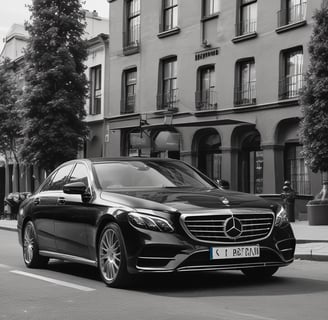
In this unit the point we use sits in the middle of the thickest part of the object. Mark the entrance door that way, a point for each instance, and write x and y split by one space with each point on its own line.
209 155
250 173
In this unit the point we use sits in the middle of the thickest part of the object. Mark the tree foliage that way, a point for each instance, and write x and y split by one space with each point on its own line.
10 112
314 96
56 85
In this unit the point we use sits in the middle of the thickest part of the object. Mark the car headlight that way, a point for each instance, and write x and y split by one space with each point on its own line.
281 217
145 221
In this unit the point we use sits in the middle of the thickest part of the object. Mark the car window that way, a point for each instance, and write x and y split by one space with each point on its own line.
79 174
60 178
129 174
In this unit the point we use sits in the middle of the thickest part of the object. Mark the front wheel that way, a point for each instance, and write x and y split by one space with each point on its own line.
260 273
111 256
31 254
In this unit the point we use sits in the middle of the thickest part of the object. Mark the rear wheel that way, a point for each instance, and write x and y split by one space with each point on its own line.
31 254
260 273
111 256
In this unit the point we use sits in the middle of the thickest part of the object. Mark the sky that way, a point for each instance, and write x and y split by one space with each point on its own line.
15 11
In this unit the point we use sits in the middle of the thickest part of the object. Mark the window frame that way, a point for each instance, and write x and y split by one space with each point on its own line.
240 99
206 98
131 44
95 90
284 91
125 99
162 102
207 14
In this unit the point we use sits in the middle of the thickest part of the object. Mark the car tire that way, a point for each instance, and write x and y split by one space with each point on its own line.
260 273
112 262
31 255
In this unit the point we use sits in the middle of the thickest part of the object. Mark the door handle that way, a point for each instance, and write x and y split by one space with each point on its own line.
36 201
61 201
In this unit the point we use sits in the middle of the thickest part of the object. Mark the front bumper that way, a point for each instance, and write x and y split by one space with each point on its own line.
170 252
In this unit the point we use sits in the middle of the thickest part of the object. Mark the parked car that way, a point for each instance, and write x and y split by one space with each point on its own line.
137 215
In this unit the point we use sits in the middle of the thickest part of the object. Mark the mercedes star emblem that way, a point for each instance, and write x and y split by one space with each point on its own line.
233 228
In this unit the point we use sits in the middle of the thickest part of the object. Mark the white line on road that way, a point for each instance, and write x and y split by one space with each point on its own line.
58 282
4 266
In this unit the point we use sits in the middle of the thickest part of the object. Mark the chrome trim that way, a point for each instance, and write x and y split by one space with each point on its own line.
156 258
232 212
230 267
63 256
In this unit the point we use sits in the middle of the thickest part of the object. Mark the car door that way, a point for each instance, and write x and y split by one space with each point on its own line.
72 224
44 208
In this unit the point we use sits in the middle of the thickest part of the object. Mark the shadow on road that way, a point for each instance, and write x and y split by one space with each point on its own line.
223 283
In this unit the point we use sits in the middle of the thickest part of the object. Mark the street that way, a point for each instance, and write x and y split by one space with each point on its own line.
71 291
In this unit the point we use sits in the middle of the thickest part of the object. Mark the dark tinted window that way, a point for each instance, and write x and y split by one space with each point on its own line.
80 174
60 178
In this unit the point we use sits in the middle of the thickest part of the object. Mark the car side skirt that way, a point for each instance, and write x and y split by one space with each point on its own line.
62 256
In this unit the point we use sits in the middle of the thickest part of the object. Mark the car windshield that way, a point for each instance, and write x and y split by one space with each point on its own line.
144 174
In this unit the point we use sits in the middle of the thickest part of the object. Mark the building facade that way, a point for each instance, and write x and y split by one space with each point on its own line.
212 82
15 177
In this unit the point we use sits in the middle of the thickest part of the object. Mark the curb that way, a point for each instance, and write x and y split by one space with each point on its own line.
8 228
311 257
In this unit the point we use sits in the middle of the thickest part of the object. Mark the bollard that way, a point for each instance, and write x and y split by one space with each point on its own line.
288 196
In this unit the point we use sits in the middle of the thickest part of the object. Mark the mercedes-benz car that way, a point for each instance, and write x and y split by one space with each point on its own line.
137 215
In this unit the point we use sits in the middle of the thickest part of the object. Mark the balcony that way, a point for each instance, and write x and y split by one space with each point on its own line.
168 100
128 104
292 15
290 86
206 100
246 94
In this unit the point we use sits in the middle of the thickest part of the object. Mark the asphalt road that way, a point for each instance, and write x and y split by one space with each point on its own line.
71 291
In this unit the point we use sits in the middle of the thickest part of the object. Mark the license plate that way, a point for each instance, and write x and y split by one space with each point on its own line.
234 252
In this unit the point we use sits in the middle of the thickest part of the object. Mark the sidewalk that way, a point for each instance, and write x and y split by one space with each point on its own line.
311 241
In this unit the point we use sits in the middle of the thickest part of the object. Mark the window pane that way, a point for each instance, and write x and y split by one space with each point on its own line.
80 174
211 7
60 178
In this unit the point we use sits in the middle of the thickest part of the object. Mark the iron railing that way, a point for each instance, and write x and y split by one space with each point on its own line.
168 100
290 86
246 94
246 27
206 100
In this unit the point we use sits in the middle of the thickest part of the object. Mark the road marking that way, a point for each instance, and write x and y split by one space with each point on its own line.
58 282
4 266
253 316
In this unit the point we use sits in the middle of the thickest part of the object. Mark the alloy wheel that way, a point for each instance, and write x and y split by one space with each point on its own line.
29 243
109 255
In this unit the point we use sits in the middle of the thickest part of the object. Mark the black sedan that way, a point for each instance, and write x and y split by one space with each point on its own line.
132 215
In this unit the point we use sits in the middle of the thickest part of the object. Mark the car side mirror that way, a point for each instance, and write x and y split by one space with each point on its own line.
223 184
75 188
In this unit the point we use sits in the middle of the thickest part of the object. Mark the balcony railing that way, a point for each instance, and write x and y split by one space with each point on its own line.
246 94
128 104
290 86
206 100
246 27
292 15
168 100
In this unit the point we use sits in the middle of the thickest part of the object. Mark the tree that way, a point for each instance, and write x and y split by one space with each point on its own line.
10 112
314 98
56 85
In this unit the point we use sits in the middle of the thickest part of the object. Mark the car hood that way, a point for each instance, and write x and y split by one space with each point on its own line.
183 199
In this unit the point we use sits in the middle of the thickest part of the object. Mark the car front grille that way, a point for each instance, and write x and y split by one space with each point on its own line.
211 227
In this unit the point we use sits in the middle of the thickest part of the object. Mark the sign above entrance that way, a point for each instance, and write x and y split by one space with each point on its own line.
200 55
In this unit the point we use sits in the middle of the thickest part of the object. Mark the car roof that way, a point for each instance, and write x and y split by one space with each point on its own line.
108 159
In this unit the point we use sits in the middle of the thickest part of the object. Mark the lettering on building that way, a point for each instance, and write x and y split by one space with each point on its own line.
200 55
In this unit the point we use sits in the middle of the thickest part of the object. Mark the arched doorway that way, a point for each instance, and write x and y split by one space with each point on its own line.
209 153
250 163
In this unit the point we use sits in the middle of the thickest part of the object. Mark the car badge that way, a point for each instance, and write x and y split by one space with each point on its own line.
225 201
233 228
